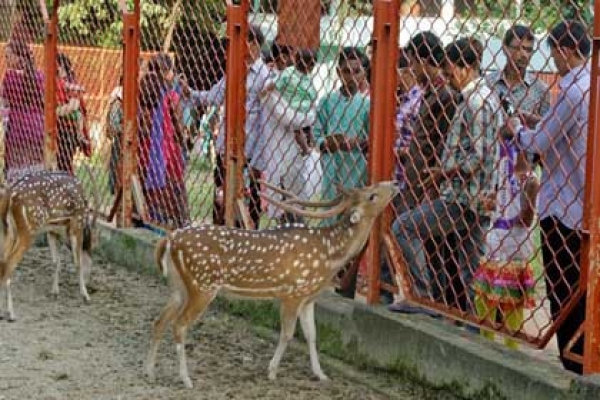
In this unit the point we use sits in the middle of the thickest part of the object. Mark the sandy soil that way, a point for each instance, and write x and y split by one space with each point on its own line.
60 348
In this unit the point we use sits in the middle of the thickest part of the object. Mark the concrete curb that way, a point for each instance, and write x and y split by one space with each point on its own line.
416 347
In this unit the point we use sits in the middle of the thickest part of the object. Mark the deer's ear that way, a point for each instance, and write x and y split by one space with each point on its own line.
355 217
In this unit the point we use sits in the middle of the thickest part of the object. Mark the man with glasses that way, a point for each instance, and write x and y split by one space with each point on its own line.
518 89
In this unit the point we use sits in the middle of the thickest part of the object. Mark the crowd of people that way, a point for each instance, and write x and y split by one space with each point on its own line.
468 145
471 195
22 96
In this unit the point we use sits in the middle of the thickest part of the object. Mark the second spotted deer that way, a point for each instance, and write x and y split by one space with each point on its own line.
44 202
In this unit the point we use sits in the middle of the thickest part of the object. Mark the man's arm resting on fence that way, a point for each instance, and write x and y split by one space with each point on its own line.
215 96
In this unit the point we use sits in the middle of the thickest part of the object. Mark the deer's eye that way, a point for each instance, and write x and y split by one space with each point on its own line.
373 197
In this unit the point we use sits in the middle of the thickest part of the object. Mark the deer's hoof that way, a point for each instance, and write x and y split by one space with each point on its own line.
323 378
149 374
272 375
187 382
11 318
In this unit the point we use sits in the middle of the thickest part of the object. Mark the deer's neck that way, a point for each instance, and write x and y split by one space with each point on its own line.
345 240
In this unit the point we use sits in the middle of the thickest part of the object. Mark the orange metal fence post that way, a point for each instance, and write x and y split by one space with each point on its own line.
383 101
590 264
50 52
235 113
129 159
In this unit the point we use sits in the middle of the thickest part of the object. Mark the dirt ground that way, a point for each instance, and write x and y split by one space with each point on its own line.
60 348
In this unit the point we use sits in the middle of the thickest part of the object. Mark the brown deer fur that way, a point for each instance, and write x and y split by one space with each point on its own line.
49 202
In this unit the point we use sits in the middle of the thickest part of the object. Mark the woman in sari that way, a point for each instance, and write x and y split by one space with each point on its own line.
161 145
23 95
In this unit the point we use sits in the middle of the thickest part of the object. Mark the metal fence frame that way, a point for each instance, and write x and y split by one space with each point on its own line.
380 162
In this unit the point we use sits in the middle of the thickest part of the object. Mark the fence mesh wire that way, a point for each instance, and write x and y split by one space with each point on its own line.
479 223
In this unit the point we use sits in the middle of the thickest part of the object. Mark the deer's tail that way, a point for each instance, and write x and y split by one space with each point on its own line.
163 250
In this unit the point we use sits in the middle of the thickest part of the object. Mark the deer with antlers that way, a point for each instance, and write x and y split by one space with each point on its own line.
293 264
48 202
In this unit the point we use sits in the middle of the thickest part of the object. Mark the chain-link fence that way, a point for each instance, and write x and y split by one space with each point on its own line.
479 110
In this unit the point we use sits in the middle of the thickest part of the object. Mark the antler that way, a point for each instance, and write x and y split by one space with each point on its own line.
332 212
303 203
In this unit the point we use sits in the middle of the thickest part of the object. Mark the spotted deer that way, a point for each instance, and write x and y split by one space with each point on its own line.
48 202
293 264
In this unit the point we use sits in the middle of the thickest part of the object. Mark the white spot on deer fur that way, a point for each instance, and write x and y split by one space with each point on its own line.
305 273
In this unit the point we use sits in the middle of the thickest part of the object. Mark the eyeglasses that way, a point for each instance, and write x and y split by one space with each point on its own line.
527 49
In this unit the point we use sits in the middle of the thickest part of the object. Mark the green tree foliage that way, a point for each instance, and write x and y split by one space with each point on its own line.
541 14
99 23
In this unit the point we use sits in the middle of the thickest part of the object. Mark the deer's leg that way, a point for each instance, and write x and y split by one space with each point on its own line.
77 249
166 316
289 316
196 304
2 288
9 303
10 313
86 266
307 322
9 267
53 244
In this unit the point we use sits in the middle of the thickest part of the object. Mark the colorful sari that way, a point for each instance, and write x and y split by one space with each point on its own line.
163 166
24 137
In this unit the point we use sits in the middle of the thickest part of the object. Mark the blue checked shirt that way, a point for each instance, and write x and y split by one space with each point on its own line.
471 145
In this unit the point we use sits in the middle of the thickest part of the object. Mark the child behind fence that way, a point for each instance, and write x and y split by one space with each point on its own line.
504 281
296 87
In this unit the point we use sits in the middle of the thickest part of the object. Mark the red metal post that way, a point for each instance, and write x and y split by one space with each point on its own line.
50 102
590 263
129 142
383 101
235 110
